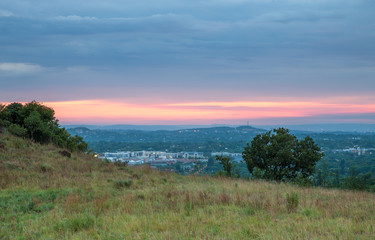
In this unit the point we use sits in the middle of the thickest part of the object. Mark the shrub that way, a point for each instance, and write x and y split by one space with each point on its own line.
81 222
249 211
257 173
220 173
292 201
123 183
45 168
4 123
227 164
301 181
38 122
76 224
2 145
121 164
17 130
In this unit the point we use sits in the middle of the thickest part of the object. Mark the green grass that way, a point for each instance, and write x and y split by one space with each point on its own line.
46 196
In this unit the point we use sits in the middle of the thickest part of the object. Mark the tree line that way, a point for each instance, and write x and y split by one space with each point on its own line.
35 121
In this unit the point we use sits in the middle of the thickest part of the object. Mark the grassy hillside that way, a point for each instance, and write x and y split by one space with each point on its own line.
47 196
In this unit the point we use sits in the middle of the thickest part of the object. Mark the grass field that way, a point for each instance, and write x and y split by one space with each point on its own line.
44 195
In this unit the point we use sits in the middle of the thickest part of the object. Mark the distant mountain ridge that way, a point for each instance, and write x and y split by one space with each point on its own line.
144 127
331 127
342 127
181 135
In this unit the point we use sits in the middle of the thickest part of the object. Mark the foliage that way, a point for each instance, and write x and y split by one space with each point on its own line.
229 167
75 224
292 201
123 183
17 130
12 113
281 156
37 122
77 143
227 164
352 179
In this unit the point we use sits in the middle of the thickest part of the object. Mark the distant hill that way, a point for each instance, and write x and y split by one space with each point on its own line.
337 127
348 127
223 134
144 127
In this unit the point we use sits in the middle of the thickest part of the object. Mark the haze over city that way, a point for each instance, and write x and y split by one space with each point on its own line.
191 62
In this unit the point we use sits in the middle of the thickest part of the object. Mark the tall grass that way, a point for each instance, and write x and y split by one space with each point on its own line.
46 196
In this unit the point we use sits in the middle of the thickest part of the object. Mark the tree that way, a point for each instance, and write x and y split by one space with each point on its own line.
17 130
38 129
38 122
228 166
226 162
12 114
76 143
281 156
46 114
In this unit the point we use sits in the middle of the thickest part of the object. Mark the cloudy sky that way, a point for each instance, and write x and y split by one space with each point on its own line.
191 62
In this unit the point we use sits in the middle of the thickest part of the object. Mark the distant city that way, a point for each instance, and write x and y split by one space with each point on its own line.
357 150
162 158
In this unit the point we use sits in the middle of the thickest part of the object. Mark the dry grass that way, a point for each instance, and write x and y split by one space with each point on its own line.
46 196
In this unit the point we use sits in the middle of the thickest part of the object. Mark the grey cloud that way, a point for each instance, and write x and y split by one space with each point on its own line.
213 48
5 13
292 16
10 68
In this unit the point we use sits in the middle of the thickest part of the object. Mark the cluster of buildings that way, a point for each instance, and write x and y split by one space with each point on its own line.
155 158
356 150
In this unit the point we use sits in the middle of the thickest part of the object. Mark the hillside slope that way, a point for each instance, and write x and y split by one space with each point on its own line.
47 196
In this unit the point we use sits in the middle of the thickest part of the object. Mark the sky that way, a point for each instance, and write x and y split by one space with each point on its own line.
191 62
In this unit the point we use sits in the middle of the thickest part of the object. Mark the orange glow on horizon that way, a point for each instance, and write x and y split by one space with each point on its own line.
116 112
94 111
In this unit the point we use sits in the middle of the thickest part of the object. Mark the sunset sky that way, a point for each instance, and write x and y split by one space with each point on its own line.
191 62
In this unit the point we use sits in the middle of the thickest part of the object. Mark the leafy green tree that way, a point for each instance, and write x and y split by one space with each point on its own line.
59 136
358 181
322 176
46 114
17 130
257 173
76 143
12 113
227 164
32 123
38 122
281 156
38 129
